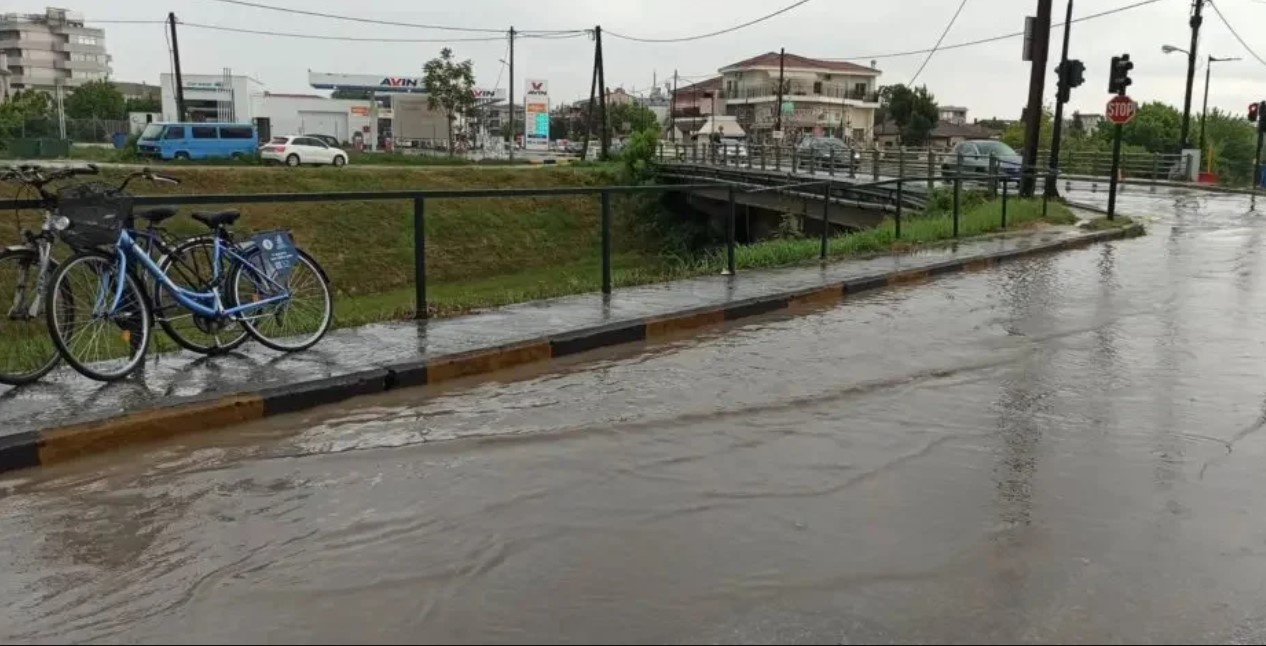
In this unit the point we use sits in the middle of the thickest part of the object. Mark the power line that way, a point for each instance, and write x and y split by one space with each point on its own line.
940 40
374 39
1235 33
709 34
993 39
373 21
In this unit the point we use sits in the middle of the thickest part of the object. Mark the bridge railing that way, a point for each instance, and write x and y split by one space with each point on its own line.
935 165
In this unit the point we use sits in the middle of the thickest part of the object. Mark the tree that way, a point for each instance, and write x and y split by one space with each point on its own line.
95 100
629 118
449 87
26 113
913 110
1231 140
1156 127
144 104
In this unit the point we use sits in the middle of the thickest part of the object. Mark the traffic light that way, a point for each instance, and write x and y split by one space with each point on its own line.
1257 114
1119 76
1070 74
1252 112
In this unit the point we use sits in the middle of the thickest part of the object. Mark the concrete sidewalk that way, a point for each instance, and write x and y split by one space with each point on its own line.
67 415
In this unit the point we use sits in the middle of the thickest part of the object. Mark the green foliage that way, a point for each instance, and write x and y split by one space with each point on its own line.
148 104
638 157
1230 140
448 86
24 105
913 110
626 118
95 100
1156 128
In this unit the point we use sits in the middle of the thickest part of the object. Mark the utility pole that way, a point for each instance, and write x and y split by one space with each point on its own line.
602 95
180 83
593 90
1057 128
1196 20
1037 84
782 55
510 94
672 110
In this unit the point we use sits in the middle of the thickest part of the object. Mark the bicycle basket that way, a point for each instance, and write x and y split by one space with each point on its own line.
96 213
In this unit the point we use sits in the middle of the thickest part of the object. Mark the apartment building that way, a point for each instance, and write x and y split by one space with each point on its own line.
43 51
820 97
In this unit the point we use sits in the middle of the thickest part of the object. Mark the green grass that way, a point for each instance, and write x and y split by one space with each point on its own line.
632 268
1103 223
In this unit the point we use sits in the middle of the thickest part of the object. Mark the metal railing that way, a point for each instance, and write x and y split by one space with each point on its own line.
934 165
419 200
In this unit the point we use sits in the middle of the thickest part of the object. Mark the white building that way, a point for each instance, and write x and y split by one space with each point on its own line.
820 96
242 99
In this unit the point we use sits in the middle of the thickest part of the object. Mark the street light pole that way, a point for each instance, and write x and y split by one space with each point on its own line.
1204 112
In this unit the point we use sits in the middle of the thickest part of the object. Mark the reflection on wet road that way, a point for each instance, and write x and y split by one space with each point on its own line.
1062 449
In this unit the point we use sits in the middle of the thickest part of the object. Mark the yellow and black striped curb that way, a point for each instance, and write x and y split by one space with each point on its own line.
58 444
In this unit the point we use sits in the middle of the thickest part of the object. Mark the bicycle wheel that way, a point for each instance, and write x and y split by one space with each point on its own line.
101 343
27 351
296 323
189 265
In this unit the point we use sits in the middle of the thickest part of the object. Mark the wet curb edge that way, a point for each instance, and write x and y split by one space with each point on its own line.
58 444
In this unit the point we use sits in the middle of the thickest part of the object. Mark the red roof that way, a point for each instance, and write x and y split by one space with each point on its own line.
770 59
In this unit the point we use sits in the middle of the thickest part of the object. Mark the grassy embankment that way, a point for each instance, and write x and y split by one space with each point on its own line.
489 252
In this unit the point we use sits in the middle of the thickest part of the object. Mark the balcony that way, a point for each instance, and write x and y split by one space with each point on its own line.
816 91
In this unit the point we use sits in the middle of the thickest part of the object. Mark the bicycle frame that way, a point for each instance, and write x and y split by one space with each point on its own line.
207 304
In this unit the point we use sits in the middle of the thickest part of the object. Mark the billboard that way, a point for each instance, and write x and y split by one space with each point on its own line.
388 85
536 114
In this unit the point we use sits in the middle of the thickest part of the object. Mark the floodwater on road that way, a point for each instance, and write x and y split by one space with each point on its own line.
1066 448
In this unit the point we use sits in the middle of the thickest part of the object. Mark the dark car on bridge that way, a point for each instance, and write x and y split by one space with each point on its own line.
825 152
971 159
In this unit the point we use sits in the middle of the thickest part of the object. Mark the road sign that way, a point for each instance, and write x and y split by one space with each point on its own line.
788 107
778 135
1121 109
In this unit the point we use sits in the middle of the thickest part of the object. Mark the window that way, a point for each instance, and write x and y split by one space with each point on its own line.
308 141
80 39
174 132
817 87
236 132
205 132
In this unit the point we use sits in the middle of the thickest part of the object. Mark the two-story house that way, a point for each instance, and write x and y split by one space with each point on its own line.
822 97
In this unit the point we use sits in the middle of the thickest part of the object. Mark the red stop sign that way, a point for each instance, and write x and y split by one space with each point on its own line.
1121 109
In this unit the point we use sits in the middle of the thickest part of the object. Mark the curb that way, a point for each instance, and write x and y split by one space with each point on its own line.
59 444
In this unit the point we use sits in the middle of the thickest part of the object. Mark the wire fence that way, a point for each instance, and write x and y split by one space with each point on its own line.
95 131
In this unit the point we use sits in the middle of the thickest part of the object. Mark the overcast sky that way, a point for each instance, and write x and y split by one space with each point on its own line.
989 79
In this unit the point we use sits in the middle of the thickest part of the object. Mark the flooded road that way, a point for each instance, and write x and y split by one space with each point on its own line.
1067 448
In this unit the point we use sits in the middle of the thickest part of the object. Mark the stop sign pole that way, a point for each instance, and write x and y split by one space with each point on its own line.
1120 111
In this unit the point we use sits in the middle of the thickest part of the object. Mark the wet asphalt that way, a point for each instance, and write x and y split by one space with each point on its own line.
1061 449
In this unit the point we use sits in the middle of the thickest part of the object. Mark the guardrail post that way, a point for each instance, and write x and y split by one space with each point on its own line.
831 169
813 163
763 149
826 218
749 156
931 171
896 230
694 153
1005 184
795 160
419 258
958 189
875 164
606 242
729 236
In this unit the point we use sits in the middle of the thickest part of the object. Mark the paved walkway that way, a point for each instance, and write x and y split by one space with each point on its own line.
65 397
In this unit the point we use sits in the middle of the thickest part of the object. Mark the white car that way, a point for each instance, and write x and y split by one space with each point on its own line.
293 150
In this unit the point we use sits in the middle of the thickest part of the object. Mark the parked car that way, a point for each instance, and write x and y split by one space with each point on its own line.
826 151
976 154
332 142
575 146
197 140
293 150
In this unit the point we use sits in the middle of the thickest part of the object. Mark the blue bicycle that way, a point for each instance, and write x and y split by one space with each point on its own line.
100 314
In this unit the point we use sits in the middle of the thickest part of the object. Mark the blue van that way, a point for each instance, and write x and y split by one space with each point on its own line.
198 140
